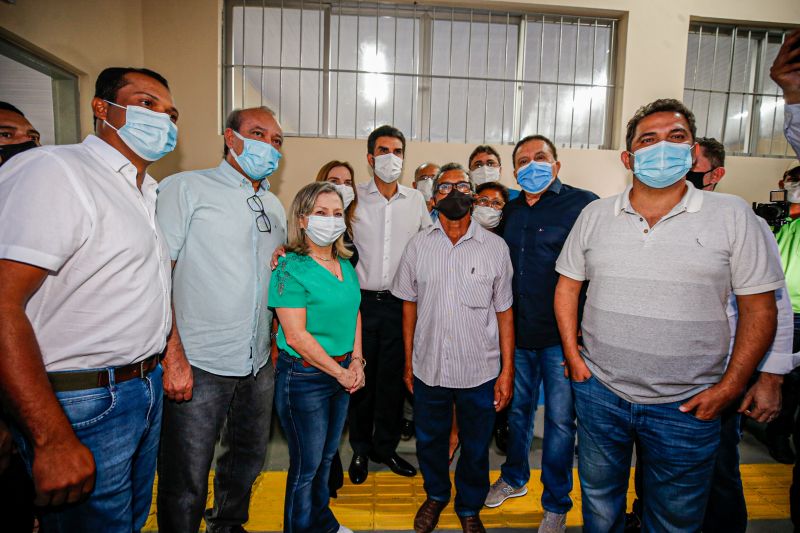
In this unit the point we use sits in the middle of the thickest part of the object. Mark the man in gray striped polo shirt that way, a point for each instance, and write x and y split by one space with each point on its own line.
458 333
661 260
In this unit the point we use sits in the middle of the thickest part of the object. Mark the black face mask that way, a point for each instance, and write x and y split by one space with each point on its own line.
10 150
455 205
696 178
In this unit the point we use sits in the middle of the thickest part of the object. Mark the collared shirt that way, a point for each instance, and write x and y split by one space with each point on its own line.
459 289
535 235
222 274
791 126
788 238
655 327
76 211
381 230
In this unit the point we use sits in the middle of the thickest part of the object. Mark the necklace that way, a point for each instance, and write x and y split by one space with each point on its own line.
322 258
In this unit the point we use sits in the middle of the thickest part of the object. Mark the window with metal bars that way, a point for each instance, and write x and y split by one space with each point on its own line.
729 89
440 74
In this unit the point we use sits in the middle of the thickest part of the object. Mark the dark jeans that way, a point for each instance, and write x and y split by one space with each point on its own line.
312 408
433 408
677 450
531 368
234 410
376 411
789 420
120 425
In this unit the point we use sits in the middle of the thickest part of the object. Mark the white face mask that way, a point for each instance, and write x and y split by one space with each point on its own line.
488 217
347 194
484 174
425 186
388 167
324 231
793 192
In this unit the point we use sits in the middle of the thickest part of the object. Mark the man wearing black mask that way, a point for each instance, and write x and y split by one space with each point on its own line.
455 276
16 133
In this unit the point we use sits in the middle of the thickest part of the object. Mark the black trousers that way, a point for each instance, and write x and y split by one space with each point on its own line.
376 411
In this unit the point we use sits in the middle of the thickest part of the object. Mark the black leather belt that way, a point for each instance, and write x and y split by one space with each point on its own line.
379 296
92 379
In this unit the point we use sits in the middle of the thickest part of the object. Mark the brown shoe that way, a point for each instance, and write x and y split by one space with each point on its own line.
428 516
472 524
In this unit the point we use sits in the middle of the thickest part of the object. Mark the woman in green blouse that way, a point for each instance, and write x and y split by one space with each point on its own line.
316 295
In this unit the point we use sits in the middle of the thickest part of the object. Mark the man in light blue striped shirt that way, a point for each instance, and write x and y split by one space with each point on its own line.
455 283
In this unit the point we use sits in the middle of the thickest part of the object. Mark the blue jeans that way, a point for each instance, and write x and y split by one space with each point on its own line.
558 449
677 451
312 408
120 424
726 511
433 418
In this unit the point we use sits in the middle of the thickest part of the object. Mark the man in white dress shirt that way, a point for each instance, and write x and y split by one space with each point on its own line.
388 215
85 288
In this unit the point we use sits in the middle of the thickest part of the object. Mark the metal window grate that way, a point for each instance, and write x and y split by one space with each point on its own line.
440 74
729 89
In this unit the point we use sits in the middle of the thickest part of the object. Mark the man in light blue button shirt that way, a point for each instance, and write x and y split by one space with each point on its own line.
221 226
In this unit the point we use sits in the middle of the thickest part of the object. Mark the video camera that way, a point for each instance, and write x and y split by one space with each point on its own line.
776 212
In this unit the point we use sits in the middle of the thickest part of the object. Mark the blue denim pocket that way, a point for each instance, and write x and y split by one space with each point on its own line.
87 407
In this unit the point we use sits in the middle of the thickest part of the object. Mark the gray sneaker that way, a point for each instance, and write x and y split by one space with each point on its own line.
500 491
553 523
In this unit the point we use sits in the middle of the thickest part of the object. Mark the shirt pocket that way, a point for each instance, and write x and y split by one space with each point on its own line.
476 291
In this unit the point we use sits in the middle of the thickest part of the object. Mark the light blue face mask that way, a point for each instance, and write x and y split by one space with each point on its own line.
151 135
662 164
258 159
535 176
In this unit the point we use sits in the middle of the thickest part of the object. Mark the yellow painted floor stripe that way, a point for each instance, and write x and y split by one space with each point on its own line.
388 501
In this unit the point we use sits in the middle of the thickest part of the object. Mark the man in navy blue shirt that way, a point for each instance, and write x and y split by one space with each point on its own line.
536 224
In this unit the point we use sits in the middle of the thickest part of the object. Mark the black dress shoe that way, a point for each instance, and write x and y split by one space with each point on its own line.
359 468
428 516
398 465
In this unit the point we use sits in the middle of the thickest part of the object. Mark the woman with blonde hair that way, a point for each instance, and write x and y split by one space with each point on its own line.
316 295
342 176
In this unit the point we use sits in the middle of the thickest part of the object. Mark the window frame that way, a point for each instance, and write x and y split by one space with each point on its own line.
422 76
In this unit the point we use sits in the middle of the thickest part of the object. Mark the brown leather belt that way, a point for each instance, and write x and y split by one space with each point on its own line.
92 379
338 359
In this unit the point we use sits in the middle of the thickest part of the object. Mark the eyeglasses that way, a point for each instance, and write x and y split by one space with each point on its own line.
461 186
491 163
483 201
262 220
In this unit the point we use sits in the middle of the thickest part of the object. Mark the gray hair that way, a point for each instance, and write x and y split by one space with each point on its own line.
448 167
303 205
422 167
234 120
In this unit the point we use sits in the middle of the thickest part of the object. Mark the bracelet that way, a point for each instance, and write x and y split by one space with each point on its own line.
363 362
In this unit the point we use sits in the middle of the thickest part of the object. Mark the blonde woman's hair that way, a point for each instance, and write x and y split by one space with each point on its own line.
322 175
302 206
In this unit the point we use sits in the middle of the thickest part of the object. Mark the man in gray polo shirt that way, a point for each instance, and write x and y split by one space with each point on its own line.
662 259
458 333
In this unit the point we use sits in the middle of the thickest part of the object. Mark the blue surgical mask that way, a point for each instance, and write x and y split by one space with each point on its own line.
151 135
662 164
535 176
258 159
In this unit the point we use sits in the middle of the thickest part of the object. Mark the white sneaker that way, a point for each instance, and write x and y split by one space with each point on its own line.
343 529
553 523
500 491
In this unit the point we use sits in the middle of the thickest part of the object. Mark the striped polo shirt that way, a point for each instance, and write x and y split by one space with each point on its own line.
655 326
459 289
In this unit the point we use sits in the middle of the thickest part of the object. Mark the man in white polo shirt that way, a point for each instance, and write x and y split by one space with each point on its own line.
661 259
84 286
